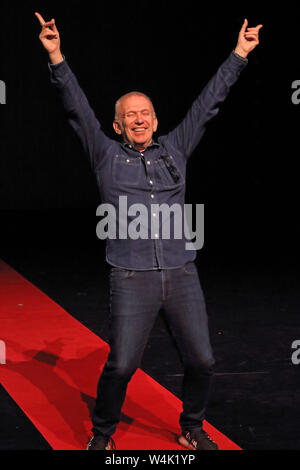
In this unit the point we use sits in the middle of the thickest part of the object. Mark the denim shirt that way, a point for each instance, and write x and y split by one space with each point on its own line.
153 176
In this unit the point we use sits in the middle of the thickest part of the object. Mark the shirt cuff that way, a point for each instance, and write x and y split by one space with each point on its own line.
60 73
243 59
53 66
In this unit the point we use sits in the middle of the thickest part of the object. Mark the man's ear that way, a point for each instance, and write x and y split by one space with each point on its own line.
117 127
155 124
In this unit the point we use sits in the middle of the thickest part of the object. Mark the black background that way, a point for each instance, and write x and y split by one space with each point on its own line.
245 168
245 171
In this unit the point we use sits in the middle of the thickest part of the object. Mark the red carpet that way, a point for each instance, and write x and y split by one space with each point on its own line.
52 367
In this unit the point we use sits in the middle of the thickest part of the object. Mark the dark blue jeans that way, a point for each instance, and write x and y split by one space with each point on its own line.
135 300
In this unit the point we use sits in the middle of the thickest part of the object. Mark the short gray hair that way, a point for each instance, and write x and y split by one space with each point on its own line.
127 95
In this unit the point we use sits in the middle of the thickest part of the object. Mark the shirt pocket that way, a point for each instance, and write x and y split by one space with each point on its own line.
167 174
127 170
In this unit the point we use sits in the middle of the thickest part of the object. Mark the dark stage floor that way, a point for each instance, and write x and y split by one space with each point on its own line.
253 308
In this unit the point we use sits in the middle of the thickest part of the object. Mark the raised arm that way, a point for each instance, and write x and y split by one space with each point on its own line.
79 113
188 133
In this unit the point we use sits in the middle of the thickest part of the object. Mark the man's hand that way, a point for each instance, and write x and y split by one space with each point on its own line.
50 39
248 39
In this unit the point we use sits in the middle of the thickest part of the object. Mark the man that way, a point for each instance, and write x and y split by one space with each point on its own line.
148 273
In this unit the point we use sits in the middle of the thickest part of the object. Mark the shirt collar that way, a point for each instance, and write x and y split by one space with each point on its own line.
153 144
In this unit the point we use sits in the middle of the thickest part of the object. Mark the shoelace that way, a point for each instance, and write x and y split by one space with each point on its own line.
110 441
194 442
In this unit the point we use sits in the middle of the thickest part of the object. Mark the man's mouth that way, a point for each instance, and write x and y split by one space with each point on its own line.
139 129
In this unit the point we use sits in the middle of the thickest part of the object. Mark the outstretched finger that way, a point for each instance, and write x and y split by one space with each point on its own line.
255 28
245 24
40 18
259 27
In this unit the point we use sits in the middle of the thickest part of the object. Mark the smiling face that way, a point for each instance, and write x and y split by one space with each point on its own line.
136 120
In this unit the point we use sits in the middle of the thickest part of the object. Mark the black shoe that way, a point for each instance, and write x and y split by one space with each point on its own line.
101 443
197 439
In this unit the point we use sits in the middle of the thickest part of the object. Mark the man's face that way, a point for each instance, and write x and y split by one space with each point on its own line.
137 121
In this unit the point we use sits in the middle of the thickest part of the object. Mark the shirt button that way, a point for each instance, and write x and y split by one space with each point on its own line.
154 214
148 162
152 195
127 160
151 182
156 235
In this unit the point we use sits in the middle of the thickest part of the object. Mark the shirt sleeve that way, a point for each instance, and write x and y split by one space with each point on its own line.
79 113
186 136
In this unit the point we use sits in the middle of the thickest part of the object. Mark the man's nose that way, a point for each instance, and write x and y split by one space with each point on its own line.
139 118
